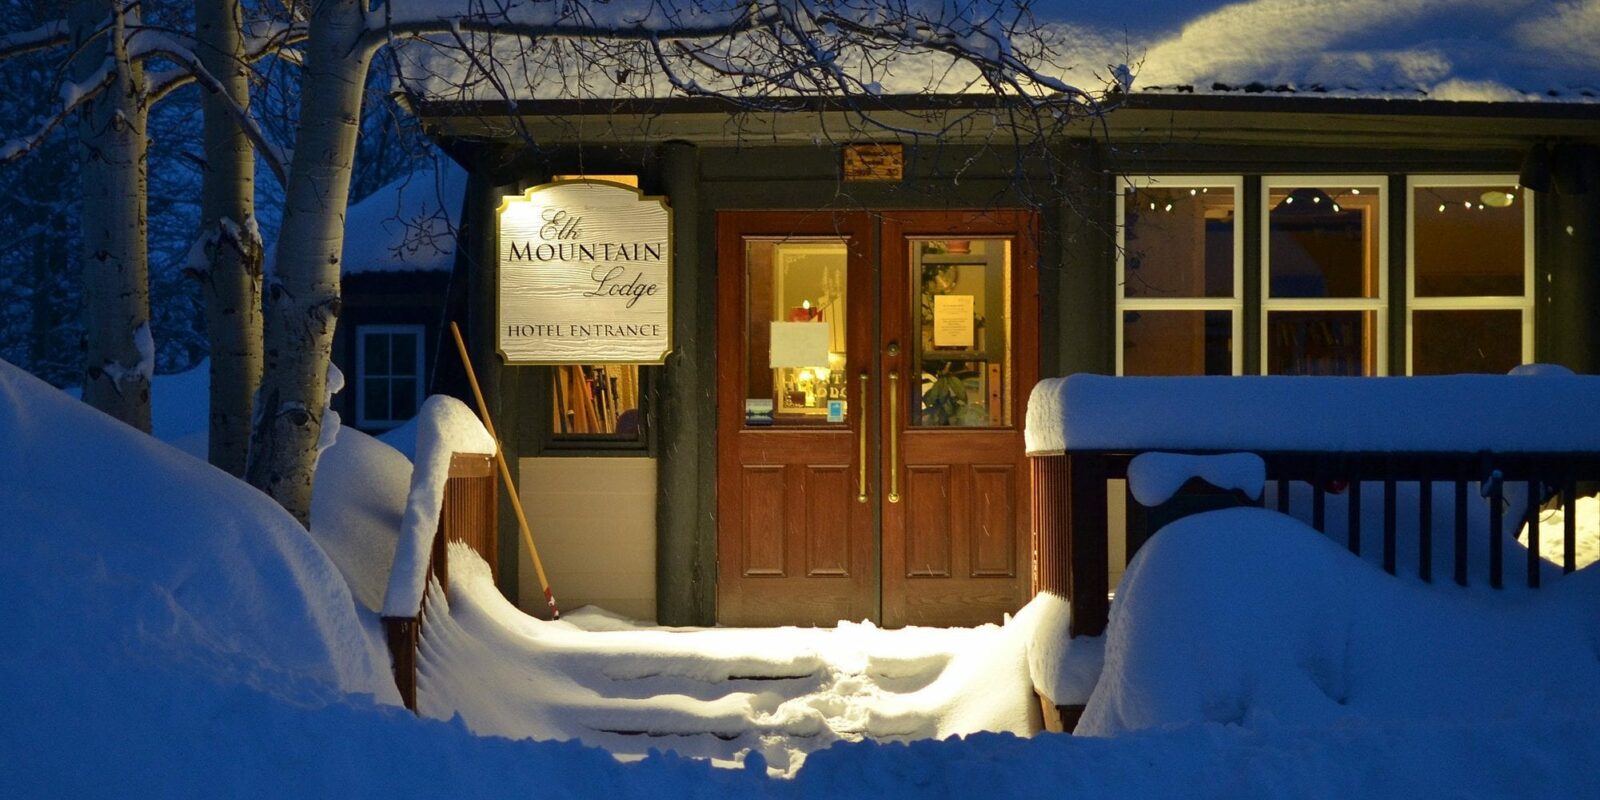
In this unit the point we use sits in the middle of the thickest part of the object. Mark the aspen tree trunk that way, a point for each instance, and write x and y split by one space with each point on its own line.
119 356
302 292
231 277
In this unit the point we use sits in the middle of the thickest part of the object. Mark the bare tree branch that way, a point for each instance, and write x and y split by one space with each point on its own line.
152 44
44 37
73 97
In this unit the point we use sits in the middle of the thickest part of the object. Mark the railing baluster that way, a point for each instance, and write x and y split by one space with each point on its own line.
1531 517
1461 532
1388 519
1353 526
1497 524
1569 524
1425 531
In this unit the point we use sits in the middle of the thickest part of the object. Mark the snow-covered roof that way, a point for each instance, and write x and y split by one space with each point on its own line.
1471 50
1545 411
408 225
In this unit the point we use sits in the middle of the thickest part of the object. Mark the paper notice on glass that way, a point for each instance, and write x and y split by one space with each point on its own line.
952 320
799 344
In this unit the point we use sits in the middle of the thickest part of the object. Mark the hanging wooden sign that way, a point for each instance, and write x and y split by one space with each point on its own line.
585 275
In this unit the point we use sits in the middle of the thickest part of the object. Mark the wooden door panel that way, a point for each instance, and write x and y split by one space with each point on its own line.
992 532
828 499
763 531
930 502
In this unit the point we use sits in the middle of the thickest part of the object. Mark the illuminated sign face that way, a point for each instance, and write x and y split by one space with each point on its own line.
585 275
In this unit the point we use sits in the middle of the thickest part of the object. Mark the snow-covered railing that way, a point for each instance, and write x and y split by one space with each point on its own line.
452 496
1520 440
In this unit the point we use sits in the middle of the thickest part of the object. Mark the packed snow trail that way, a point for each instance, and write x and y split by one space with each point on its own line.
719 694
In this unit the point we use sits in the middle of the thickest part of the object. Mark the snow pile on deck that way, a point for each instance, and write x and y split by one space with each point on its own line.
1248 617
445 426
1450 413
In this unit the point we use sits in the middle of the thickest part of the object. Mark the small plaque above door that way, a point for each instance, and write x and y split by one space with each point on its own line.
874 162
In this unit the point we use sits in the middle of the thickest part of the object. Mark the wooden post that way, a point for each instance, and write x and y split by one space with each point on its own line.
403 635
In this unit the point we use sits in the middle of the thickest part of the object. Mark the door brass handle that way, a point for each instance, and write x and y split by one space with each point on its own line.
861 438
894 437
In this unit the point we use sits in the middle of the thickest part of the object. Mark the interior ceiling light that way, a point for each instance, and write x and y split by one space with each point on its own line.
1497 199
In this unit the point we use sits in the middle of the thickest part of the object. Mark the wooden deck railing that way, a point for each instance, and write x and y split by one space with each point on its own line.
467 514
1071 502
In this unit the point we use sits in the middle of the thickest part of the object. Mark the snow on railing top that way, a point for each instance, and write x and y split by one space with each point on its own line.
445 426
1543 410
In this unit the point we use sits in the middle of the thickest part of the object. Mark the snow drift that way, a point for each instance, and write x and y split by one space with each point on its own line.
179 557
1249 617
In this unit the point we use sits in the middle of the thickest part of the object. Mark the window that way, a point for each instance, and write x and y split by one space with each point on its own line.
1323 267
1179 266
388 374
597 402
1469 292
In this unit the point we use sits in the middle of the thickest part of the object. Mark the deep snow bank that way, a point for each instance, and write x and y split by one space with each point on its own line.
143 550
1247 616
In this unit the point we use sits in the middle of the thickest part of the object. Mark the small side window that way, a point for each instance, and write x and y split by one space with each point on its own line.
597 403
389 374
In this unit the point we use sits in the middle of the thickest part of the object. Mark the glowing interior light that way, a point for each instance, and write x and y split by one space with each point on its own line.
1467 203
1152 206
1316 199
1355 191
1496 199
1191 192
1335 206
1168 208
1289 199
805 304
1441 208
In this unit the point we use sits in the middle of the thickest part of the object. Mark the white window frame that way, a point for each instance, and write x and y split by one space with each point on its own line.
362 332
1524 304
1233 304
1379 304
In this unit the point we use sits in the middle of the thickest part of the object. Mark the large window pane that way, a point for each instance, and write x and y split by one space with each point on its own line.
1323 241
1448 342
1177 343
1321 343
1468 240
962 327
795 303
1179 242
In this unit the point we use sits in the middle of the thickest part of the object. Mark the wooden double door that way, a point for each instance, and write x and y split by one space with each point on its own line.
873 373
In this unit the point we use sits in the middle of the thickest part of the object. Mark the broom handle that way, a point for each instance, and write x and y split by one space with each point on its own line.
505 473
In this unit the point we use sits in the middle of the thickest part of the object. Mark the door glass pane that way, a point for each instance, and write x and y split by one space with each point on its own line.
1448 342
1321 343
961 332
1469 240
1179 242
796 312
1177 343
1323 241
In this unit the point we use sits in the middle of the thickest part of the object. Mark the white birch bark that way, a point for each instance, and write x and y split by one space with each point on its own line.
231 275
119 354
302 291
